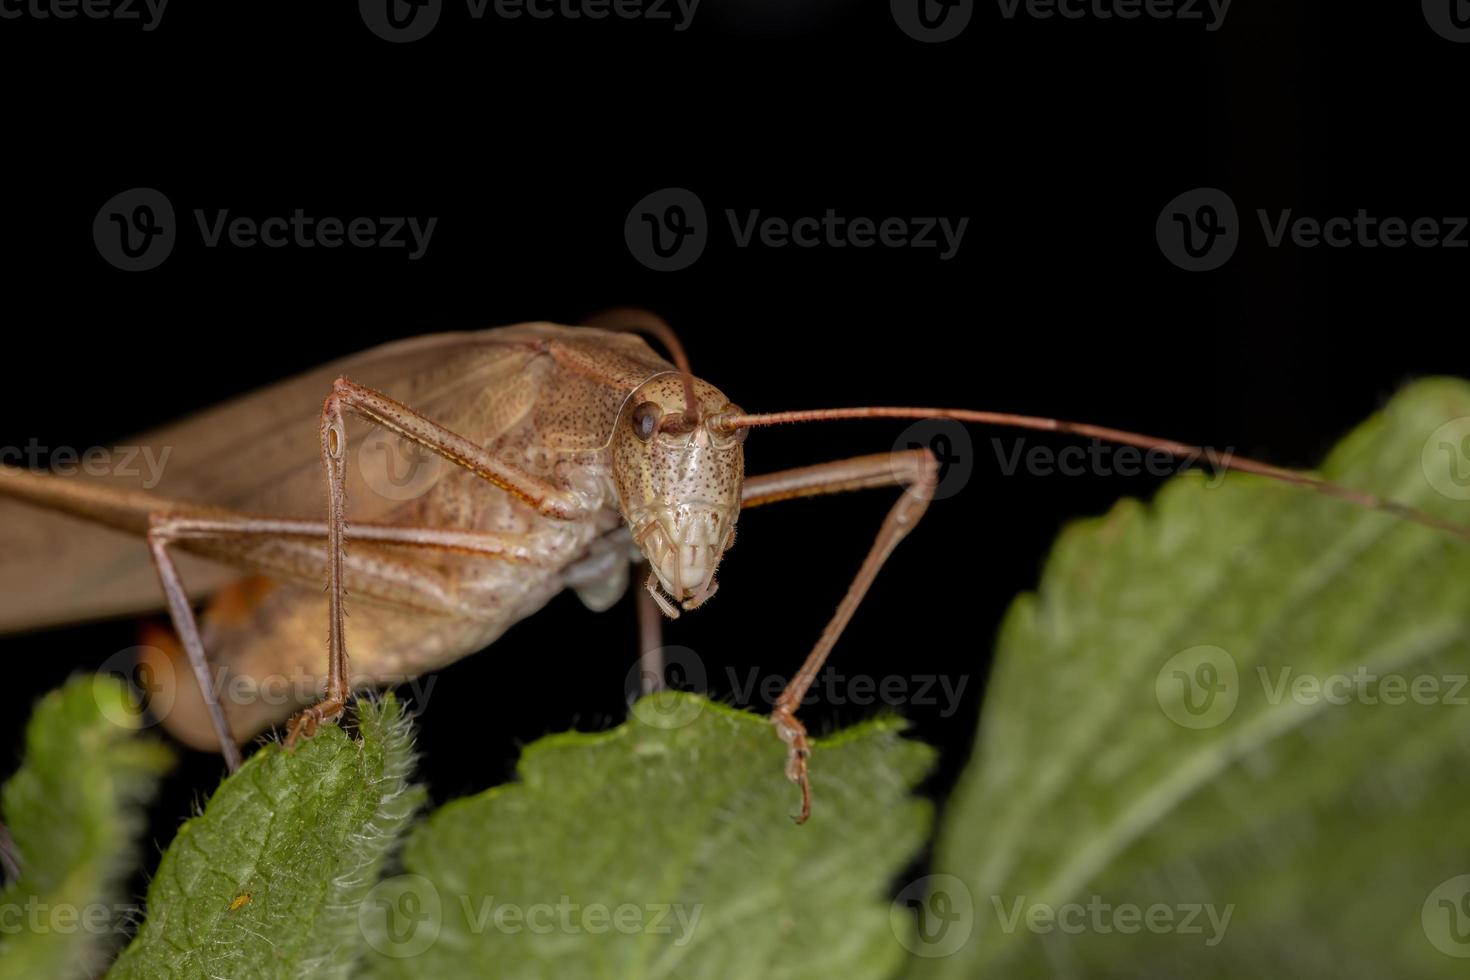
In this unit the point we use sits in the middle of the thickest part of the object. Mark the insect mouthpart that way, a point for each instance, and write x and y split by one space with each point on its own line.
684 545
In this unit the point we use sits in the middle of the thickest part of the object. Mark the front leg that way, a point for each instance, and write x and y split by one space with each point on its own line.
383 411
917 471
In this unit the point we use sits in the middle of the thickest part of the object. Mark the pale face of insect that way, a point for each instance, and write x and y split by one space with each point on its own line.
679 482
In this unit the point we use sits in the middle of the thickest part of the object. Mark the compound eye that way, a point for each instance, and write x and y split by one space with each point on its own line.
645 420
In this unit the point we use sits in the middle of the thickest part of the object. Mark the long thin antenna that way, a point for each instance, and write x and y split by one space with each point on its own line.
635 320
1221 460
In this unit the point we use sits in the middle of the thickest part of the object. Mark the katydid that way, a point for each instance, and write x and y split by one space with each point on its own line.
561 457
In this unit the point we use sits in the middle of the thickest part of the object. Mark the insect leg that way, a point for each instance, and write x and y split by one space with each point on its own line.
187 628
917 472
650 639
191 531
398 418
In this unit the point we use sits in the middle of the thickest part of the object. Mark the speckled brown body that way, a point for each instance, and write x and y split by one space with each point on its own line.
554 401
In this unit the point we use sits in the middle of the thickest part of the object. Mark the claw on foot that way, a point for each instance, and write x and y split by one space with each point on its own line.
793 733
307 721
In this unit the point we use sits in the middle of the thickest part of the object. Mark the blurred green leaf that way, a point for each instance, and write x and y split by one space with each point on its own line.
1243 700
663 848
267 882
74 812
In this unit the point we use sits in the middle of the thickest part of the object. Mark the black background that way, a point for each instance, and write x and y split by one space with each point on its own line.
1060 140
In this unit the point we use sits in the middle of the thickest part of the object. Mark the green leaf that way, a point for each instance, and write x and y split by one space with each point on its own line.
663 848
1176 729
74 810
266 883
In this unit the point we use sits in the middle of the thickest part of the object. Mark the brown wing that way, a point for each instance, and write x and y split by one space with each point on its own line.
259 453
